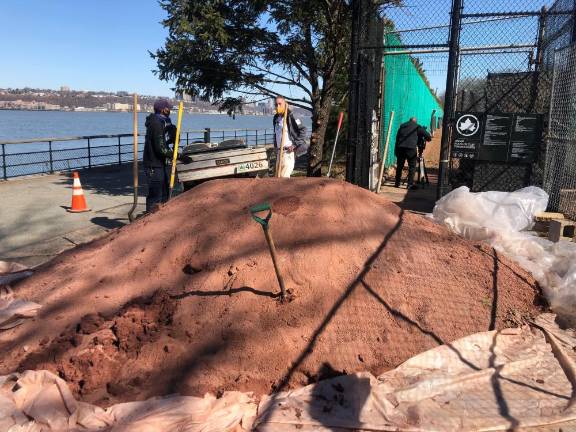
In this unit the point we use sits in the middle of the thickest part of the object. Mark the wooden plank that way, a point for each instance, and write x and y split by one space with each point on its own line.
547 216
227 170
225 154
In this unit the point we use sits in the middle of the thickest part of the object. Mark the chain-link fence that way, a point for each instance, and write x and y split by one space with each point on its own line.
48 155
560 30
499 76
492 60
560 174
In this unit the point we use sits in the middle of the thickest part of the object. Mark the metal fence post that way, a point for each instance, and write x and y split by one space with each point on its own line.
119 152
4 162
207 135
50 156
352 144
186 138
89 155
449 106
573 34
256 137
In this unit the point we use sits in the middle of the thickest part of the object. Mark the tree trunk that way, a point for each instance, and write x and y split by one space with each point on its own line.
320 115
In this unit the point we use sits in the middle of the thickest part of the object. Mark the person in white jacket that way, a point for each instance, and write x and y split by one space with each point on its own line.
294 136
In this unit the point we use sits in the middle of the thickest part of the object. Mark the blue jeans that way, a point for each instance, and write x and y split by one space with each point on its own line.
158 186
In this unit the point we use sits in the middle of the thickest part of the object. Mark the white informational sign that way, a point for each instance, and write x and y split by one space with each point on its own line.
468 125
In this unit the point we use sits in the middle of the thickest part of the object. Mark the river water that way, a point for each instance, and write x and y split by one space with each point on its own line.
38 157
16 125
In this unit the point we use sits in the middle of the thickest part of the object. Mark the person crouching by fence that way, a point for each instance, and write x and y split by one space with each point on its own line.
293 137
408 138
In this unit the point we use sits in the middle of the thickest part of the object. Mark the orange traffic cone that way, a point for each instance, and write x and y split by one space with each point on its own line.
78 199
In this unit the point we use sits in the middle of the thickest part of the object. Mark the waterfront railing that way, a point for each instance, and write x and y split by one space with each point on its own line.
49 155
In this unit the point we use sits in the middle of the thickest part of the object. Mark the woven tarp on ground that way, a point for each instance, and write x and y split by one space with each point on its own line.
521 379
14 311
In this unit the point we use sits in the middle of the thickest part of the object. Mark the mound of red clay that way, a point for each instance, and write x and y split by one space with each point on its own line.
185 299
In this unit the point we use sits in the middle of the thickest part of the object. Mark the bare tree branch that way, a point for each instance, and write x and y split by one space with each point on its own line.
268 71
302 71
286 81
343 98
270 94
293 101
267 90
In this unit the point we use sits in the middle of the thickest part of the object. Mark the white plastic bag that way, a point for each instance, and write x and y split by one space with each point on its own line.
500 218
475 215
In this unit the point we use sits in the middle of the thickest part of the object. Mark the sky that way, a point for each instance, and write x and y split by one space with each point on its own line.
421 14
104 44
82 44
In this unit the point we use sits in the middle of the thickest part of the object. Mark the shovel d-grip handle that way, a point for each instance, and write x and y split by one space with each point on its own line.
259 208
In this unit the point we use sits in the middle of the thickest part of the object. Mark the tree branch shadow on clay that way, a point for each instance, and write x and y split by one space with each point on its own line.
345 395
284 381
503 407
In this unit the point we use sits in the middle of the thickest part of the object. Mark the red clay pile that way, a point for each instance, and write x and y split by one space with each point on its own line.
185 299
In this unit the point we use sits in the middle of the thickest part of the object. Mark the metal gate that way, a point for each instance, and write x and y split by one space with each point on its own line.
496 62
505 81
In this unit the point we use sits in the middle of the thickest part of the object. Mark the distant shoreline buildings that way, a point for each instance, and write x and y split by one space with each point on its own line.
65 99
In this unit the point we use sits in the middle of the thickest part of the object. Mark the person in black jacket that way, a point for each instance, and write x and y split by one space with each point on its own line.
410 135
295 143
157 153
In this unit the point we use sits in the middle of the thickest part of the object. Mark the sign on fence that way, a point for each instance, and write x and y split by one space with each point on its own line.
497 137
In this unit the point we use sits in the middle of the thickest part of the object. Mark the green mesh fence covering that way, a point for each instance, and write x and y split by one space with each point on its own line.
407 93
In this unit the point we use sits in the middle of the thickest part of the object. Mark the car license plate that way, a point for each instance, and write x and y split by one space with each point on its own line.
222 162
250 166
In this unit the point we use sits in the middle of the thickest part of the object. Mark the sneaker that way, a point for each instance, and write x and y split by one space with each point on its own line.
413 187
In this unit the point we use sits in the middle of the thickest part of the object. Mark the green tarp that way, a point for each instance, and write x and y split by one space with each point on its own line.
407 93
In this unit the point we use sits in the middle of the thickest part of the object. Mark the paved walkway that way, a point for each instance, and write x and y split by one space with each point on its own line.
421 200
34 223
